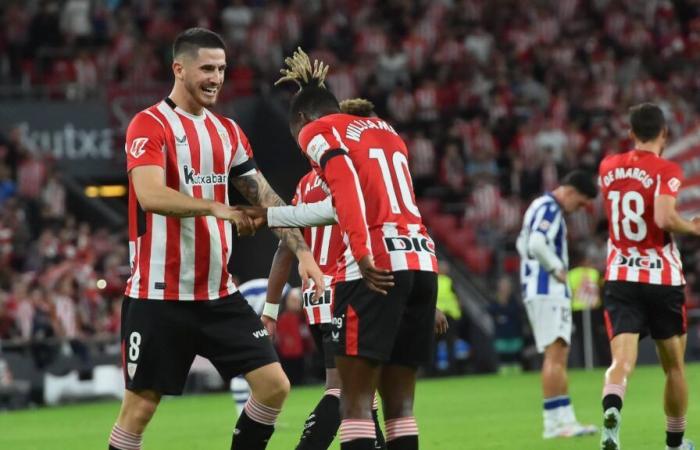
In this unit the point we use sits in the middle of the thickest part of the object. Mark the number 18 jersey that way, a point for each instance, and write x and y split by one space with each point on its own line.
365 164
638 250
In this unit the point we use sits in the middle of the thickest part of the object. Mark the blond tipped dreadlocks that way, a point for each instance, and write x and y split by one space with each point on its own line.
357 107
302 72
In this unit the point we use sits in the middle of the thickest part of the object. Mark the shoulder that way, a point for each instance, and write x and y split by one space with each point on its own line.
149 121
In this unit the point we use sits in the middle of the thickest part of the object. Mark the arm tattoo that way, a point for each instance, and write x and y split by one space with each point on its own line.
258 191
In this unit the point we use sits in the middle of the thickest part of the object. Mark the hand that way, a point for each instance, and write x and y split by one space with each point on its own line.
308 269
441 324
244 224
378 280
258 214
560 275
270 325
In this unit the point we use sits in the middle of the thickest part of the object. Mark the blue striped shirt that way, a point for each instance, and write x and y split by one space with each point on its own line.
544 215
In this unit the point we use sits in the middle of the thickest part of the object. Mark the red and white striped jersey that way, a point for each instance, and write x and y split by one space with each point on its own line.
365 164
186 258
327 246
638 250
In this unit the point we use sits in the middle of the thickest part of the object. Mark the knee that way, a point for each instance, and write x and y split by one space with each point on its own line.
135 415
396 408
623 366
356 406
276 389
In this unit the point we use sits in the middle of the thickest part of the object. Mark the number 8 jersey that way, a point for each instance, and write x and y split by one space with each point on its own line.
365 164
638 250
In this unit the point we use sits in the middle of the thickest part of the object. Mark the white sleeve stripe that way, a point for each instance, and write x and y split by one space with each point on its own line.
360 197
156 118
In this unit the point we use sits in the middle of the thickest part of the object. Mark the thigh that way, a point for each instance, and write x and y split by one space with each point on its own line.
157 345
233 338
322 336
365 323
413 345
625 309
667 313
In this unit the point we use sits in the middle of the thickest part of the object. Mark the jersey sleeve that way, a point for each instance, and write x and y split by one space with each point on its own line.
545 220
322 144
670 180
242 162
145 142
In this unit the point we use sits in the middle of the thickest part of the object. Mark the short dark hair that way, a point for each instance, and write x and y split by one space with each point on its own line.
313 101
647 121
192 39
582 181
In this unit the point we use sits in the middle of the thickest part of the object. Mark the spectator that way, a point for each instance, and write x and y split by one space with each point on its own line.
507 317
292 337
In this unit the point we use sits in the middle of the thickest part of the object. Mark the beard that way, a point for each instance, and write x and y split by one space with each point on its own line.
196 92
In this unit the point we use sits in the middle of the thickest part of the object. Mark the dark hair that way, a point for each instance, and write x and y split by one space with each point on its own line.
313 101
647 121
357 107
582 181
192 39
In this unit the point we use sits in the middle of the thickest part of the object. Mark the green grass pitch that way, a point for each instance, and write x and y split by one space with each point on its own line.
477 412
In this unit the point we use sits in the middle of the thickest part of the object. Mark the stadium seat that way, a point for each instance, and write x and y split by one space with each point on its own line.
479 260
460 238
442 225
511 263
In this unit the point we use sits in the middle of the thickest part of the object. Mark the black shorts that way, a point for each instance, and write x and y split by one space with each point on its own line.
643 308
161 338
397 328
321 333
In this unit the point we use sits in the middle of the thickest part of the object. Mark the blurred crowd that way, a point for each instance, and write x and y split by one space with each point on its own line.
59 278
496 99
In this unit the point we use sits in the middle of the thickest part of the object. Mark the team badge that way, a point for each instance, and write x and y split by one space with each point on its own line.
131 370
674 184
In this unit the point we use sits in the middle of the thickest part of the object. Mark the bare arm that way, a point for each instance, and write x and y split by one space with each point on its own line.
279 273
258 192
667 218
154 196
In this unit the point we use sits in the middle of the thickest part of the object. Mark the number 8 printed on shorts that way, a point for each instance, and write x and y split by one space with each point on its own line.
134 343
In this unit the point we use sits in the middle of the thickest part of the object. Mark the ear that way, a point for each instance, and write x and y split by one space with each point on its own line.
178 69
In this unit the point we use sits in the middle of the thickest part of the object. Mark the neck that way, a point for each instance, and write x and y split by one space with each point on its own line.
558 195
184 100
651 146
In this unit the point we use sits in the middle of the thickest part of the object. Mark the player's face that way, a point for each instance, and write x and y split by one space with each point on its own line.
203 76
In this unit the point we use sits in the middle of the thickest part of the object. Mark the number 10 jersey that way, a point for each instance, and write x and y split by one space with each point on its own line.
638 250
364 162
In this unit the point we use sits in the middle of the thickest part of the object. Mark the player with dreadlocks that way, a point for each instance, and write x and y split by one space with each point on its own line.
385 282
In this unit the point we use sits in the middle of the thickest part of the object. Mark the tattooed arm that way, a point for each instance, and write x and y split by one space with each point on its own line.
258 192
154 196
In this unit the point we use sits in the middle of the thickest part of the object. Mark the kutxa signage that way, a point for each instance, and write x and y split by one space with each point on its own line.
77 135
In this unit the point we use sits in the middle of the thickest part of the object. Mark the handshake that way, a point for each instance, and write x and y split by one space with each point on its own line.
246 219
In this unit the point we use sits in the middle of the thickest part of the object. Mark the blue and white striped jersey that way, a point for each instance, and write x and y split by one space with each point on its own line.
255 292
545 216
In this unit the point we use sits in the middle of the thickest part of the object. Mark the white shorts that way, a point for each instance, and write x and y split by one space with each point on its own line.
550 319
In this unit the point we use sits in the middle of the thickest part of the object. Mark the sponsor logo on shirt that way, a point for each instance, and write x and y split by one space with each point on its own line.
639 262
181 140
409 244
137 147
196 179
309 298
